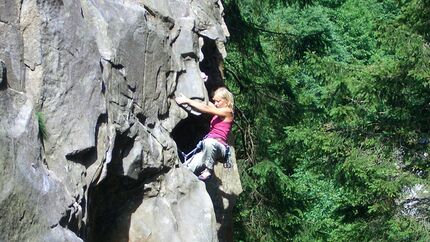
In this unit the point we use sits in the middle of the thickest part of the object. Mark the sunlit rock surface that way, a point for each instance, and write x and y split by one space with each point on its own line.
101 76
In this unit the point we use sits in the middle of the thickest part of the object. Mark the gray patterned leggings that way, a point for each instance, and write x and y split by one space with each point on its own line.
212 150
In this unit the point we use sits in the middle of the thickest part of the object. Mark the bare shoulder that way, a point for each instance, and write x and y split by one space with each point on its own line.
227 114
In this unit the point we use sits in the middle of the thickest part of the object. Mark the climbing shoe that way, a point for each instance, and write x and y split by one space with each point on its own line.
205 175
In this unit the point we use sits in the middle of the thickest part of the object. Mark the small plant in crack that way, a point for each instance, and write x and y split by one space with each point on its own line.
43 133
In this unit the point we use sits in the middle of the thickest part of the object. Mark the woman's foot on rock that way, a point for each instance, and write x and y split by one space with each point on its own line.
205 175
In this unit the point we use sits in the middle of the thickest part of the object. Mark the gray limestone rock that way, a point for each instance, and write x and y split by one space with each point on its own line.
224 189
181 211
32 198
11 43
87 114
415 202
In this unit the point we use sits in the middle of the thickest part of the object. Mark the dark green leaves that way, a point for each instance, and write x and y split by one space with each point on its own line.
333 101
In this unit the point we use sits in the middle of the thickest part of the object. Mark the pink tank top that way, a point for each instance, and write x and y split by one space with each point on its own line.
219 129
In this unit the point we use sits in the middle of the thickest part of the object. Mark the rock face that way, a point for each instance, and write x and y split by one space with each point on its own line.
224 189
87 117
415 202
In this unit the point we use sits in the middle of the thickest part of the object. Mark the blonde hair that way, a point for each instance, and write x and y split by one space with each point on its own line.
225 94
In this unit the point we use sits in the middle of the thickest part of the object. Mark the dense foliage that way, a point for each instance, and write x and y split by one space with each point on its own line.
333 117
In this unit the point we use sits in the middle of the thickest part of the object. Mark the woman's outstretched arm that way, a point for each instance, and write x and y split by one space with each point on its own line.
202 107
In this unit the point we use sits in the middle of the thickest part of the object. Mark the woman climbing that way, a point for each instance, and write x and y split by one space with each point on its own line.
215 142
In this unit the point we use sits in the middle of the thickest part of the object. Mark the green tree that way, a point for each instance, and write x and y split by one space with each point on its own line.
332 117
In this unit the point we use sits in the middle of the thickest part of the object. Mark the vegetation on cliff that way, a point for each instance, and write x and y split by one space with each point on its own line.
333 113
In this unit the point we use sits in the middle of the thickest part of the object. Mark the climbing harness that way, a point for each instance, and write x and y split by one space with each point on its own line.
186 157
